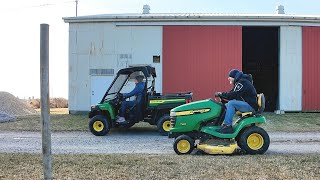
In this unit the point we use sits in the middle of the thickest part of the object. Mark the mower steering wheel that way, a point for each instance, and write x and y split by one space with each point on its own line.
221 99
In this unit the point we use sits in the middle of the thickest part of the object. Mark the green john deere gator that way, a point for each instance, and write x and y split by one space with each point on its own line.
155 109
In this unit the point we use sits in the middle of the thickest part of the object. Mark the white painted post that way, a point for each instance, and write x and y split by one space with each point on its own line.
44 104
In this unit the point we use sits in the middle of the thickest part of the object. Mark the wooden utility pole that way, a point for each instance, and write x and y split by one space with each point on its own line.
44 104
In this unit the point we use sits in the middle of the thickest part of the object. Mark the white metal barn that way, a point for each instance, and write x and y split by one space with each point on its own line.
98 50
100 45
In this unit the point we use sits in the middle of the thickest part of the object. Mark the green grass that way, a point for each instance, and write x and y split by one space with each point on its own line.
292 122
142 166
60 121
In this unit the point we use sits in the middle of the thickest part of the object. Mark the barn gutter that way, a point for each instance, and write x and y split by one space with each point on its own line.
193 18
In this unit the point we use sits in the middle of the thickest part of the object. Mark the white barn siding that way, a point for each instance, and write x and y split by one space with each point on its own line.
147 42
290 67
106 46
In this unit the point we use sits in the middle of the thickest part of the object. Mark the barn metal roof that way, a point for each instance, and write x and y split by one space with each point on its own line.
191 17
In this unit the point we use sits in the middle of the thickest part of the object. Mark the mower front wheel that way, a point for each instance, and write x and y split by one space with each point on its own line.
164 125
99 125
183 145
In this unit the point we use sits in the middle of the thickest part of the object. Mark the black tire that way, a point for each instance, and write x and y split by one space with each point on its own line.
183 145
254 140
238 138
164 125
99 125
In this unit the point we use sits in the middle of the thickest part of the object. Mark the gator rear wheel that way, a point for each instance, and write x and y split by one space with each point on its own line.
99 125
164 125
183 145
254 140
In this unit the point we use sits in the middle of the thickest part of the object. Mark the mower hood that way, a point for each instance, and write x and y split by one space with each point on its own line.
196 107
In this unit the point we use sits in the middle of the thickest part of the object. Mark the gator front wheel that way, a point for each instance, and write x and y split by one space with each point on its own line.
164 125
99 125
183 145
254 140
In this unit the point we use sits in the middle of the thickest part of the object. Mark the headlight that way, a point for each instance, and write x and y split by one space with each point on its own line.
92 107
173 113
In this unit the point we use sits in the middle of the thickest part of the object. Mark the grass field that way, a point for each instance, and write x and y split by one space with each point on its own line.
142 166
292 122
61 121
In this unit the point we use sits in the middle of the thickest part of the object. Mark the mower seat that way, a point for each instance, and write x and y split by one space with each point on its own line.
261 103
261 107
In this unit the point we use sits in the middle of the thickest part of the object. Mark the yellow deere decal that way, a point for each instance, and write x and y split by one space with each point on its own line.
164 101
185 113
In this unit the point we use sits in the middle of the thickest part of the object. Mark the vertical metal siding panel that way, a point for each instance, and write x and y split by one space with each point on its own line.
147 42
71 60
198 58
82 88
290 84
311 66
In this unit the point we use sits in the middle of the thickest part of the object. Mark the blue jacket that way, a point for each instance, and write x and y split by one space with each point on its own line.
137 91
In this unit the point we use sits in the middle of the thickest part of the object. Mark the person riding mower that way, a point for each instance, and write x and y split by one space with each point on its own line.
242 97
198 125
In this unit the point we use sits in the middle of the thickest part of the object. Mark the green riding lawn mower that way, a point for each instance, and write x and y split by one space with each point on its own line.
195 125
155 109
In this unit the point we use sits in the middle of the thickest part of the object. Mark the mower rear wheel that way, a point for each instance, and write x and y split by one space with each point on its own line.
164 125
183 145
254 140
99 125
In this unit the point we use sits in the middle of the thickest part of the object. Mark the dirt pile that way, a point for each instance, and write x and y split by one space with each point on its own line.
10 106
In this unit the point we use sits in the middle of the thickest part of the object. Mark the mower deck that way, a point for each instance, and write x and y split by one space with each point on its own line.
218 149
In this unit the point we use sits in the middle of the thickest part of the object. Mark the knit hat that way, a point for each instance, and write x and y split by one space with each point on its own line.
139 78
233 73
236 74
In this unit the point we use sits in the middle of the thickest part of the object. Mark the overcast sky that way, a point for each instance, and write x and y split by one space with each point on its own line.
20 31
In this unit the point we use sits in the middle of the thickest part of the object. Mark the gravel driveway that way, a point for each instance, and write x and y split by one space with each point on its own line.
139 142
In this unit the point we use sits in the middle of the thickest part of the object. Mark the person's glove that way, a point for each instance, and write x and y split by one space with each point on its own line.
217 94
121 96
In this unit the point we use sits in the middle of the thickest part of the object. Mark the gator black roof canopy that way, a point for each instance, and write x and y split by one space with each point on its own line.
147 70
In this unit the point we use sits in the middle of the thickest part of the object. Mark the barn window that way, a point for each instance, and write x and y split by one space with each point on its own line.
156 59
102 72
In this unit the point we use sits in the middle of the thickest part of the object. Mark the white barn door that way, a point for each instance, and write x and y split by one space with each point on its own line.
99 85
290 83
